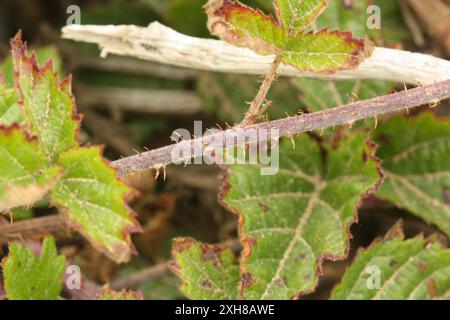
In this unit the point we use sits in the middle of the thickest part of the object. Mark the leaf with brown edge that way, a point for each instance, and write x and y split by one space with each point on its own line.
47 104
407 269
208 271
26 175
291 221
95 201
320 52
417 175
296 15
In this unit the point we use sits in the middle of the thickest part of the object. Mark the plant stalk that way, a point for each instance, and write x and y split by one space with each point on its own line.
254 110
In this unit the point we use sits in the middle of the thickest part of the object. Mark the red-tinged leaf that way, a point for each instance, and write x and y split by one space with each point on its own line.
321 52
295 15
47 104
290 222
92 197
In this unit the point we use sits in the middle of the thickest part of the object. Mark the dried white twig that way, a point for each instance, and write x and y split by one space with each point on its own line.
162 44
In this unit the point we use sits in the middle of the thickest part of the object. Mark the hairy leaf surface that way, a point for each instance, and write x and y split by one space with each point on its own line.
26 174
407 269
93 198
415 157
47 104
291 221
28 277
296 15
339 16
208 271
322 51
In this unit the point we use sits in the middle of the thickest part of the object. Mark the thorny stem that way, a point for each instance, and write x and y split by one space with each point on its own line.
159 158
254 111
348 114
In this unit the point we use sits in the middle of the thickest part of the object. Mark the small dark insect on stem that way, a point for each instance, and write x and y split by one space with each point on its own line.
255 110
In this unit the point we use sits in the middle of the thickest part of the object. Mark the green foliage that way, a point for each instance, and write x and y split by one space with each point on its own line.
208 272
28 277
393 28
323 51
338 93
230 92
43 156
26 175
9 109
43 55
47 105
417 174
297 15
414 269
339 16
291 221
91 196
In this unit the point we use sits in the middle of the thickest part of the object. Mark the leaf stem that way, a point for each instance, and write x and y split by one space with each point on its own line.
255 110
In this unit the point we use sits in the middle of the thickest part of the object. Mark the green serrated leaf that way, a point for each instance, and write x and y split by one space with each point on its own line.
417 174
296 15
43 55
9 108
25 172
293 220
47 104
397 269
92 197
28 277
352 18
208 272
322 52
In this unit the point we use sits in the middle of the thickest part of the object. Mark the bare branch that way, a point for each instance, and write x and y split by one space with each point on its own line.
347 114
162 44
34 228
255 110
